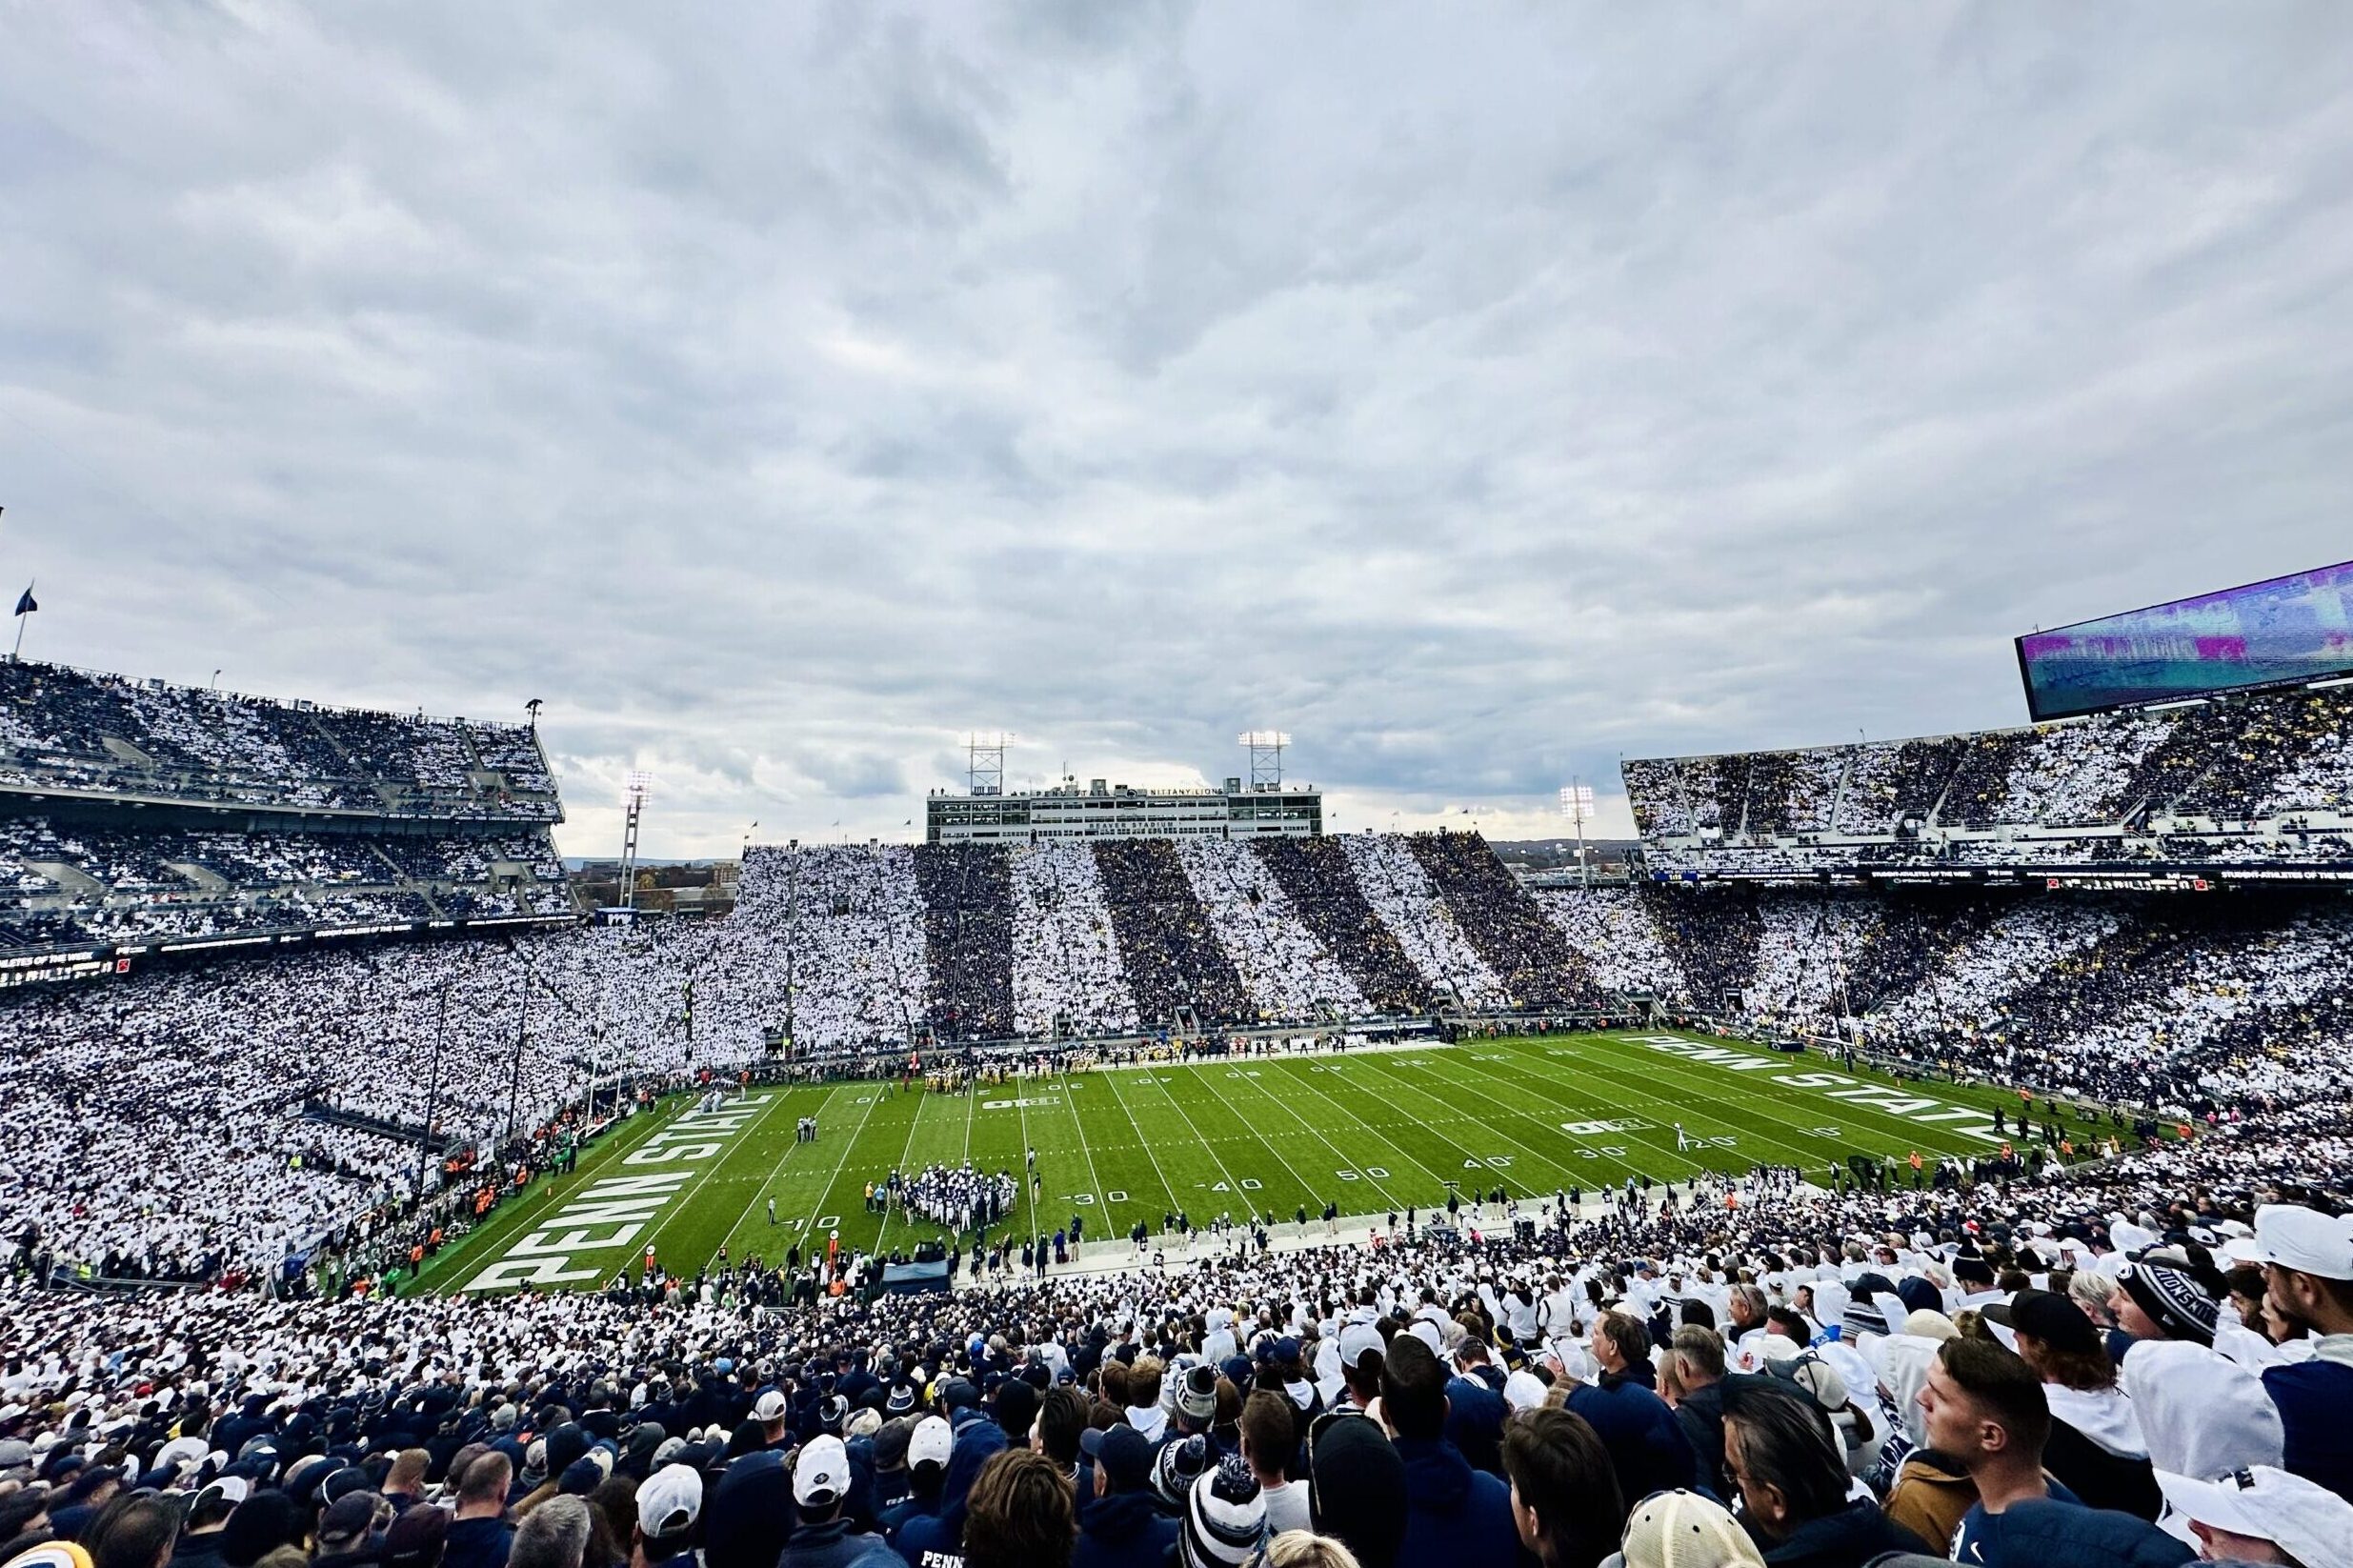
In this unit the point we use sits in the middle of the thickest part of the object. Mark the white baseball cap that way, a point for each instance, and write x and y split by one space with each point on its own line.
1686 1529
934 1440
2304 1239
669 1500
1355 1341
821 1474
768 1407
2307 1520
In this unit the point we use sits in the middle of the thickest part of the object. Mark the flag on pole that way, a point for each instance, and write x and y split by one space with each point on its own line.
25 604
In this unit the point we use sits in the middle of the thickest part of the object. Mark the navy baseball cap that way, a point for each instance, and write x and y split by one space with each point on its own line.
1123 1453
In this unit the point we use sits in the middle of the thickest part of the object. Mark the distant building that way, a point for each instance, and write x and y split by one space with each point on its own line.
1103 810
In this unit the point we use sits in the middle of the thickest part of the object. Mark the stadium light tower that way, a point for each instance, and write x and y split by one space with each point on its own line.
984 761
1576 805
634 796
1265 757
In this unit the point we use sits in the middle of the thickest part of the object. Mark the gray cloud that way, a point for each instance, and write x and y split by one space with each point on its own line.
1476 396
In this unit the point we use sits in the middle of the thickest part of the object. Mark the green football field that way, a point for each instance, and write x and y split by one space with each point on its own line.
1370 1131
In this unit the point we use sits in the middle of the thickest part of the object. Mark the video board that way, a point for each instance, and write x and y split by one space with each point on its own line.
2283 630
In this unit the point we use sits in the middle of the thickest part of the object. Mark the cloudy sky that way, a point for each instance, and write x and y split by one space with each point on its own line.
1476 392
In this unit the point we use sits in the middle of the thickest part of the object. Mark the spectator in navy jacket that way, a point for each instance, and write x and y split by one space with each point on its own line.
1455 1517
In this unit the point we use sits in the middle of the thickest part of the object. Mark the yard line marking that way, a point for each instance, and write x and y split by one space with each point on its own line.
906 1158
1022 1103
1875 1120
1081 1122
1737 1129
1524 1148
1315 1195
1617 1077
1487 1124
1305 1081
729 1239
810 1228
749 1140
1232 1186
1534 1090
1166 1185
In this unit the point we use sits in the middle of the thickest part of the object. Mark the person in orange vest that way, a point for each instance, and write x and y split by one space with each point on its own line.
417 1259
2066 1148
833 1249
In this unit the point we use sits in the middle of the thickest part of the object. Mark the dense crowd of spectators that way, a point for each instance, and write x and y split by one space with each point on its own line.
73 881
1400 893
2129 996
1068 979
1285 969
846 925
968 913
166 1115
1168 943
1538 969
1314 875
67 729
2235 779
2116 1370
2168 1003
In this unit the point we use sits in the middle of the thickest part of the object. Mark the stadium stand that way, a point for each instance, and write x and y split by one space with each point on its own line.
1578 1362
1536 969
2230 782
1314 875
1067 975
856 951
1174 962
134 814
71 733
967 893
846 926
206 1119
1287 973
70 881
1399 890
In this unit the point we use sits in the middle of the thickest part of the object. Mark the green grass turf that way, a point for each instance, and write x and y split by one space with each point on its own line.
1371 1131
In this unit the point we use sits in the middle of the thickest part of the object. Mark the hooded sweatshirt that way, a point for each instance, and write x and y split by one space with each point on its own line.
1452 1513
2095 1449
1931 1495
1123 1530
